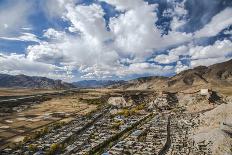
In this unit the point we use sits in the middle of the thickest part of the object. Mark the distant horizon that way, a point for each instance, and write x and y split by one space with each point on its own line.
75 40
115 79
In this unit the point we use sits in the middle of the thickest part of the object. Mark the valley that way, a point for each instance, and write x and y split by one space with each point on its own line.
112 121
189 113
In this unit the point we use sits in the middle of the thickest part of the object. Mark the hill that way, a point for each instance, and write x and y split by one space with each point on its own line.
23 81
217 75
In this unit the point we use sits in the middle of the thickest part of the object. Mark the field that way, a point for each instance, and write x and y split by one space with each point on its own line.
19 92
16 126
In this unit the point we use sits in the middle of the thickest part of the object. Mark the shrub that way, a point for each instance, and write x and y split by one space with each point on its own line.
54 148
32 147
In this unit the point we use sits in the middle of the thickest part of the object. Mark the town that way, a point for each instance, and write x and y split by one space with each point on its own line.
159 125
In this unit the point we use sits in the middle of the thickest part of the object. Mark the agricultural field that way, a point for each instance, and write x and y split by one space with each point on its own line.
21 91
15 126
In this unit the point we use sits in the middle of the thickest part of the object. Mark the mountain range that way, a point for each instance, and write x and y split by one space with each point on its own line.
24 81
217 75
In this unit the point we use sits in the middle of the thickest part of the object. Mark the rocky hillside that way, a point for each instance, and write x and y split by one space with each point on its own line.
146 83
23 81
216 75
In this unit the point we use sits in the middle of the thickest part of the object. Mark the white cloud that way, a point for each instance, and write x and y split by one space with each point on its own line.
178 14
180 50
54 8
88 20
197 55
207 61
14 17
47 53
23 37
218 49
228 32
176 38
27 28
140 39
181 67
173 55
94 51
88 51
19 64
53 34
145 68
132 36
176 23
219 22
73 51
125 5
179 8
166 59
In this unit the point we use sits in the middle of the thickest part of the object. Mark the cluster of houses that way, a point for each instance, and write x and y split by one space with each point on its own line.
182 143
101 132
115 134
83 134
148 138
56 136
164 101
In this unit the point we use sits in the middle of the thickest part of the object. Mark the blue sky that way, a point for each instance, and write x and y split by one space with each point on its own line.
112 39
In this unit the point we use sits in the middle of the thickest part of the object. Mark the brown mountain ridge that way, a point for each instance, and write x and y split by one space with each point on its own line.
217 75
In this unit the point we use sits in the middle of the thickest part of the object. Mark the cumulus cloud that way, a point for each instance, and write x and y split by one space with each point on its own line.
166 59
197 55
181 67
218 49
53 34
89 53
120 47
173 55
137 38
88 20
132 36
146 68
180 50
54 8
47 53
20 64
219 22
178 14
107 49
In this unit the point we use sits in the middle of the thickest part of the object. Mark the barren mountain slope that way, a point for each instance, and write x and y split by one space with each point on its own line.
217 75
23 81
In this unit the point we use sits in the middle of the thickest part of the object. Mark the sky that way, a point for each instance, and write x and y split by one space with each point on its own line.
77 40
